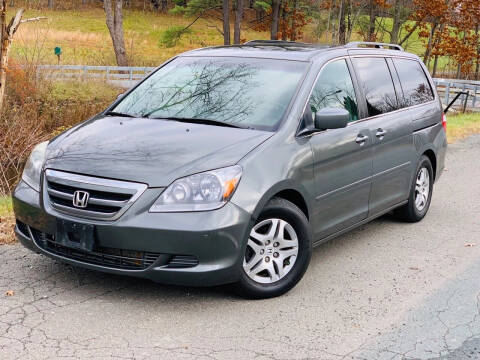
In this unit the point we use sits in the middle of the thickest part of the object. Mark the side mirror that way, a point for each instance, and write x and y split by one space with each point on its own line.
119 96
331 118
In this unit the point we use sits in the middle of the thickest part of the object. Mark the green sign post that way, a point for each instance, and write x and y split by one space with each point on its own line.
58 52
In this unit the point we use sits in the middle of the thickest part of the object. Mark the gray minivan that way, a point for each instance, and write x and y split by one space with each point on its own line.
228 164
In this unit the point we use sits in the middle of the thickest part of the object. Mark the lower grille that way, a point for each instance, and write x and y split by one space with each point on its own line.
23 228
109 257
182 261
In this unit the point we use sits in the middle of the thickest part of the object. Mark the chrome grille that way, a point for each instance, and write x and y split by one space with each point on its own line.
108 199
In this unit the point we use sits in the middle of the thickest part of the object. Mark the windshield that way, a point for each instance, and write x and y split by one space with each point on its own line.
245 92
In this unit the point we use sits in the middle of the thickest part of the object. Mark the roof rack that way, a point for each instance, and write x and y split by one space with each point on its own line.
377 45
275 42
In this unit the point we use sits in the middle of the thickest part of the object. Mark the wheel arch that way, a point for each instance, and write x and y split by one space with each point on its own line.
288 191
433 159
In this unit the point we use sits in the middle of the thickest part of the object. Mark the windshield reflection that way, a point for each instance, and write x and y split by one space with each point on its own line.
247 92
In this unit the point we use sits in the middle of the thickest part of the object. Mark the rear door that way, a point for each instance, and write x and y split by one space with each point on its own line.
342 157
391 129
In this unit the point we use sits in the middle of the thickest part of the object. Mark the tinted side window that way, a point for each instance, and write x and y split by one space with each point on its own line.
416 88
334 88
377 85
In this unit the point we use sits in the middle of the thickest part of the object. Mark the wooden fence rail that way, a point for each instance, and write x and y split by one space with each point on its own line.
127 76
83 71
448 88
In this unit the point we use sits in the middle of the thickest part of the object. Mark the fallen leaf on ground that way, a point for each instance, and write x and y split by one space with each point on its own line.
10 293
470 244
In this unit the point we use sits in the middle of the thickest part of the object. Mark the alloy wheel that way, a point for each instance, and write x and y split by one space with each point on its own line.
422 188
272 250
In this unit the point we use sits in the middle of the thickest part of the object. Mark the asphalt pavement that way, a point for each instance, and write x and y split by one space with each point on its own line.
387 290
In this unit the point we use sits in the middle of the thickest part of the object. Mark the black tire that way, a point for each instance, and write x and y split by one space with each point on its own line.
409 212
285 210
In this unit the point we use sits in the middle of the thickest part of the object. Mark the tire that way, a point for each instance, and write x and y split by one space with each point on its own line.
412 212
282 270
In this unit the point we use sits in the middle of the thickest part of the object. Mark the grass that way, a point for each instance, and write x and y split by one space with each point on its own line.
84 91
6 221
460 126
5 206
84 38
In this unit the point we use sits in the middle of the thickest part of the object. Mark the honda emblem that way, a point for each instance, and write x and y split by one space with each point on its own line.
80 199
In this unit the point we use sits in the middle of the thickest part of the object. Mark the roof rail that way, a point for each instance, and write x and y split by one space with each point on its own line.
377 45
275 42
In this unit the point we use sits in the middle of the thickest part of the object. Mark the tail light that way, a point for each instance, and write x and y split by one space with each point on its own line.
444 122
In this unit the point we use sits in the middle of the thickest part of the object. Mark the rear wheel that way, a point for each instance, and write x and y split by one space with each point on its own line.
278 251
420 193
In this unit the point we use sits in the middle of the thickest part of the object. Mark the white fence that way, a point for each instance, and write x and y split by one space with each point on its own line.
128 76
449 88
103 72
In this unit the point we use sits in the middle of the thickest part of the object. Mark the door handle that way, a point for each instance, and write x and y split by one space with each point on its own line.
361 139
380 133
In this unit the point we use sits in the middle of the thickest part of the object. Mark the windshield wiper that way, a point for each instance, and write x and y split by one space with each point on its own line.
201 121
114 113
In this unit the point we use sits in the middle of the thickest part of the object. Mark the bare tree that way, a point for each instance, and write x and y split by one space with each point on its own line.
6 37
372 11
275 19
226 22
114 16
341 23
238 22
428 50
397 24
477 64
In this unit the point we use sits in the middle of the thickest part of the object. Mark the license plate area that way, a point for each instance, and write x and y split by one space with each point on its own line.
75 235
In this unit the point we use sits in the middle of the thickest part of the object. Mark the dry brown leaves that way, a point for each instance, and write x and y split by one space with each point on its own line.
6 229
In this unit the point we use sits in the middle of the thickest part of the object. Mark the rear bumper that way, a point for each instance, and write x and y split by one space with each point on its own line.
214 238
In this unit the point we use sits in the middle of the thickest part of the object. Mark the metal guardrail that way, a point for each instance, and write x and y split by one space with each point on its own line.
125 75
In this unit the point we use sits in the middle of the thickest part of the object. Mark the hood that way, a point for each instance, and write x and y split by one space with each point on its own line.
151 151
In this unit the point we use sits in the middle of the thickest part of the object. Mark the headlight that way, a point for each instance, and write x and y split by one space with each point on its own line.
205 191
33 167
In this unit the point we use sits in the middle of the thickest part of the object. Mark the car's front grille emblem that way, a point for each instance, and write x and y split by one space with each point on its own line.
80 199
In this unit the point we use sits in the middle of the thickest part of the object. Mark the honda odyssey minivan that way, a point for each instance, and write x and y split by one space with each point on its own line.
229 164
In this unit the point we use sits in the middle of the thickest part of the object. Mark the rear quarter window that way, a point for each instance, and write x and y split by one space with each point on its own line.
414 82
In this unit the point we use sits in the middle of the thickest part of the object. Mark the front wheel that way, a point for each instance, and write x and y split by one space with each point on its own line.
277 253
420 193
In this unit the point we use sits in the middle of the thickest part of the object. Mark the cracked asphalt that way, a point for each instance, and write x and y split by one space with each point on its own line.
387 290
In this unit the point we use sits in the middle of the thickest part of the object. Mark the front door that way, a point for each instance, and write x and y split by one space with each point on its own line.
342 157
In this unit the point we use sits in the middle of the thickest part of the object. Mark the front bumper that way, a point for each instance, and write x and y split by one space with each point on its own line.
215 238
